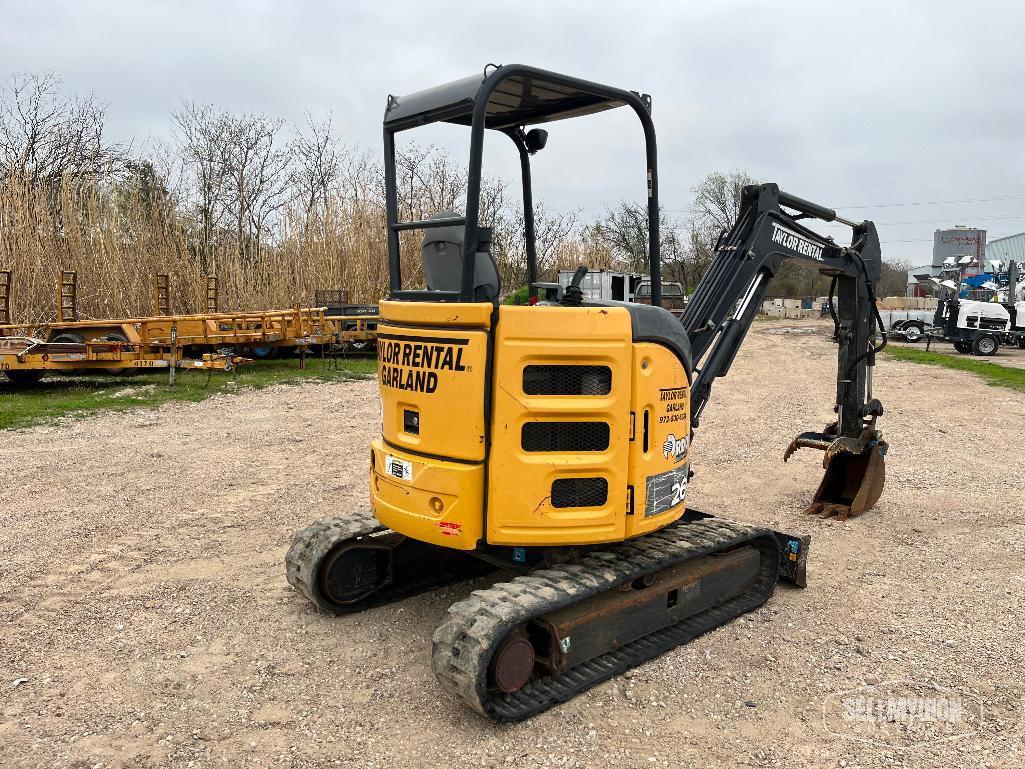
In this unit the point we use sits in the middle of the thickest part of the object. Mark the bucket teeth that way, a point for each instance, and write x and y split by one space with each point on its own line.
829 509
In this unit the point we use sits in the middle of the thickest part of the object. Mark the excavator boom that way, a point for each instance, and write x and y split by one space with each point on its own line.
724 305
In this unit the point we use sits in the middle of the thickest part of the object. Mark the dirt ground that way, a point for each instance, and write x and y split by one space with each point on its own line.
145 620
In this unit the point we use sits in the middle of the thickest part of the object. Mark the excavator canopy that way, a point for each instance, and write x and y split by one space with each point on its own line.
505 99
515 95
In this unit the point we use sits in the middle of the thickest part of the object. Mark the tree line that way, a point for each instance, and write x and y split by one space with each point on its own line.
275 211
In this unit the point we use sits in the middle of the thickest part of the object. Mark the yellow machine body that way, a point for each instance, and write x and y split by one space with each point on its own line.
526 426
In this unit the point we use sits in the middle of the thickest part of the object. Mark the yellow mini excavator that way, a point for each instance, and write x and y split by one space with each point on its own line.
553 440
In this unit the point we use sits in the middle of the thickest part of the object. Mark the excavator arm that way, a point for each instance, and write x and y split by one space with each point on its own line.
722 308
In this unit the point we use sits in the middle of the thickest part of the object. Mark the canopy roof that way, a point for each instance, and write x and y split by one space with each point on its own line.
516 95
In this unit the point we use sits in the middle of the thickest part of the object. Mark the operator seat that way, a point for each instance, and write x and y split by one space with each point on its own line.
442 255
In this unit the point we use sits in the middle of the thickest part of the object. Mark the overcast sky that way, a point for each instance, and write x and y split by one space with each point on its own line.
910 113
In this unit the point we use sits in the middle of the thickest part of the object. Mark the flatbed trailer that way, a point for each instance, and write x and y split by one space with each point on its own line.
355 325
276 328
354 332
25 360
262 334
210 331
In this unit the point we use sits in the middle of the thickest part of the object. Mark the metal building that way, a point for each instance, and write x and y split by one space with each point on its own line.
1004 250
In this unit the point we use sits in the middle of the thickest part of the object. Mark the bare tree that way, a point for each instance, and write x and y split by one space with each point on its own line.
624 230
240 171
317 165
428 181
717 200
554 234
257 170
200 138
169 166
46 138
715 208
361 177
697 255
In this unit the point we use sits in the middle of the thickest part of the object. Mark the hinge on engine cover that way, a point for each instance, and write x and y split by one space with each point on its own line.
633 419
629 500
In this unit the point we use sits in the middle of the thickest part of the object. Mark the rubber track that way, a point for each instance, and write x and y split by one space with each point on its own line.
311 545
471 632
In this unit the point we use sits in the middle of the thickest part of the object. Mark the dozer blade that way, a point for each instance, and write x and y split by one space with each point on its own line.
855 472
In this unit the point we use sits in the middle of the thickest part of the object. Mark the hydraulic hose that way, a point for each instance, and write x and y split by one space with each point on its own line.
832 308
875 311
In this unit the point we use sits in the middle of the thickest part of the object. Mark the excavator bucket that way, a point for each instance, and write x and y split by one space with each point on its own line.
855 472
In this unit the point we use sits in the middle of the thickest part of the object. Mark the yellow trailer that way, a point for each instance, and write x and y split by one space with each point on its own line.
26 360
260 333
295 327
210 331
354 332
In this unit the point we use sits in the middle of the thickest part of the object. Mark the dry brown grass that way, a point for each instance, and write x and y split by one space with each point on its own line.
116 247
118 243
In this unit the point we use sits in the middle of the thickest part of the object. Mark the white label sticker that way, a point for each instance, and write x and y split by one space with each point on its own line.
398 468
666 490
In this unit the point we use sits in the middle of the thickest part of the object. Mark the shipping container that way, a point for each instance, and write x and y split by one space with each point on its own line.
605 284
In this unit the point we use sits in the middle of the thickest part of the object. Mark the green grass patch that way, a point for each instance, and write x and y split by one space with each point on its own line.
57 397
994 374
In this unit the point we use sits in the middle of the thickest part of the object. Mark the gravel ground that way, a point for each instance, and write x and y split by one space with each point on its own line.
145 619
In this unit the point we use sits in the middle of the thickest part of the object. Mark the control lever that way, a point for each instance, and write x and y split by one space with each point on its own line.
574 296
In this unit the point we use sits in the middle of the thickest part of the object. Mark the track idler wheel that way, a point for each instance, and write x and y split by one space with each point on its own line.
354 571
855 472
348 564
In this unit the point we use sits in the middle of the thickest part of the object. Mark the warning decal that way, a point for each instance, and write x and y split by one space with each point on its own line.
398 468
